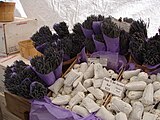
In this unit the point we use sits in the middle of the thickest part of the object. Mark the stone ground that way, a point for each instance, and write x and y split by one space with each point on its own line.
1 87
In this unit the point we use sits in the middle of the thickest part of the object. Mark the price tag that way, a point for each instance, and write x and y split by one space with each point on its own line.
113 87
101 60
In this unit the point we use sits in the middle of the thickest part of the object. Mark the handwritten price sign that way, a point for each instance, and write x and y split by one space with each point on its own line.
113 87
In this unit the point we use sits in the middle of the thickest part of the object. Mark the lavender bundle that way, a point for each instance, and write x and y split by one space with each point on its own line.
110 28
37 90
18 79
77 29
128 20
50 61
61 29
124 40
89 44
99 37
152 56
137 46
138 26
87 24
42 36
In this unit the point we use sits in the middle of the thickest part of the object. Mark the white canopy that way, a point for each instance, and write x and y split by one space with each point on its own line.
49 12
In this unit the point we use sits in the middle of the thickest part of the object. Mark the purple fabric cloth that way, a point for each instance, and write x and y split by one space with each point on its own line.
155 71
99 45
45 110
49 78
87 33
41 48
152 67
58 71
96 25
130 66
111 43
82 57
114 61
121 62
112 58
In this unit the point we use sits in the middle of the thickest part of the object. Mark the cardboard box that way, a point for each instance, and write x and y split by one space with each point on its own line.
123 25
13 32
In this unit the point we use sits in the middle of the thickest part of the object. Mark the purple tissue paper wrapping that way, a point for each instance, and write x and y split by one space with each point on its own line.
99 45
49 78
112 58
111 43
41 48
45 110
87 33
58 71
96 25
82 57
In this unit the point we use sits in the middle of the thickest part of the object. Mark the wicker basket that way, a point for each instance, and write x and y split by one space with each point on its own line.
7 11
27 49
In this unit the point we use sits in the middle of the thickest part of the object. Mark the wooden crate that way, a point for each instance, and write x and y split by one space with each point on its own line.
27 50
17 105
5 114
20 106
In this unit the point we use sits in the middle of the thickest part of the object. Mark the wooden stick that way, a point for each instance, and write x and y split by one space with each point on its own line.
69 61
70 67
105 99
108 100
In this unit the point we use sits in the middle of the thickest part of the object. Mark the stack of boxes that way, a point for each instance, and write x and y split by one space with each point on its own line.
11 33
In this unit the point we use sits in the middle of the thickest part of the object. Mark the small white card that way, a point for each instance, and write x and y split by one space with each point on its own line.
113 87
93 60
101 60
